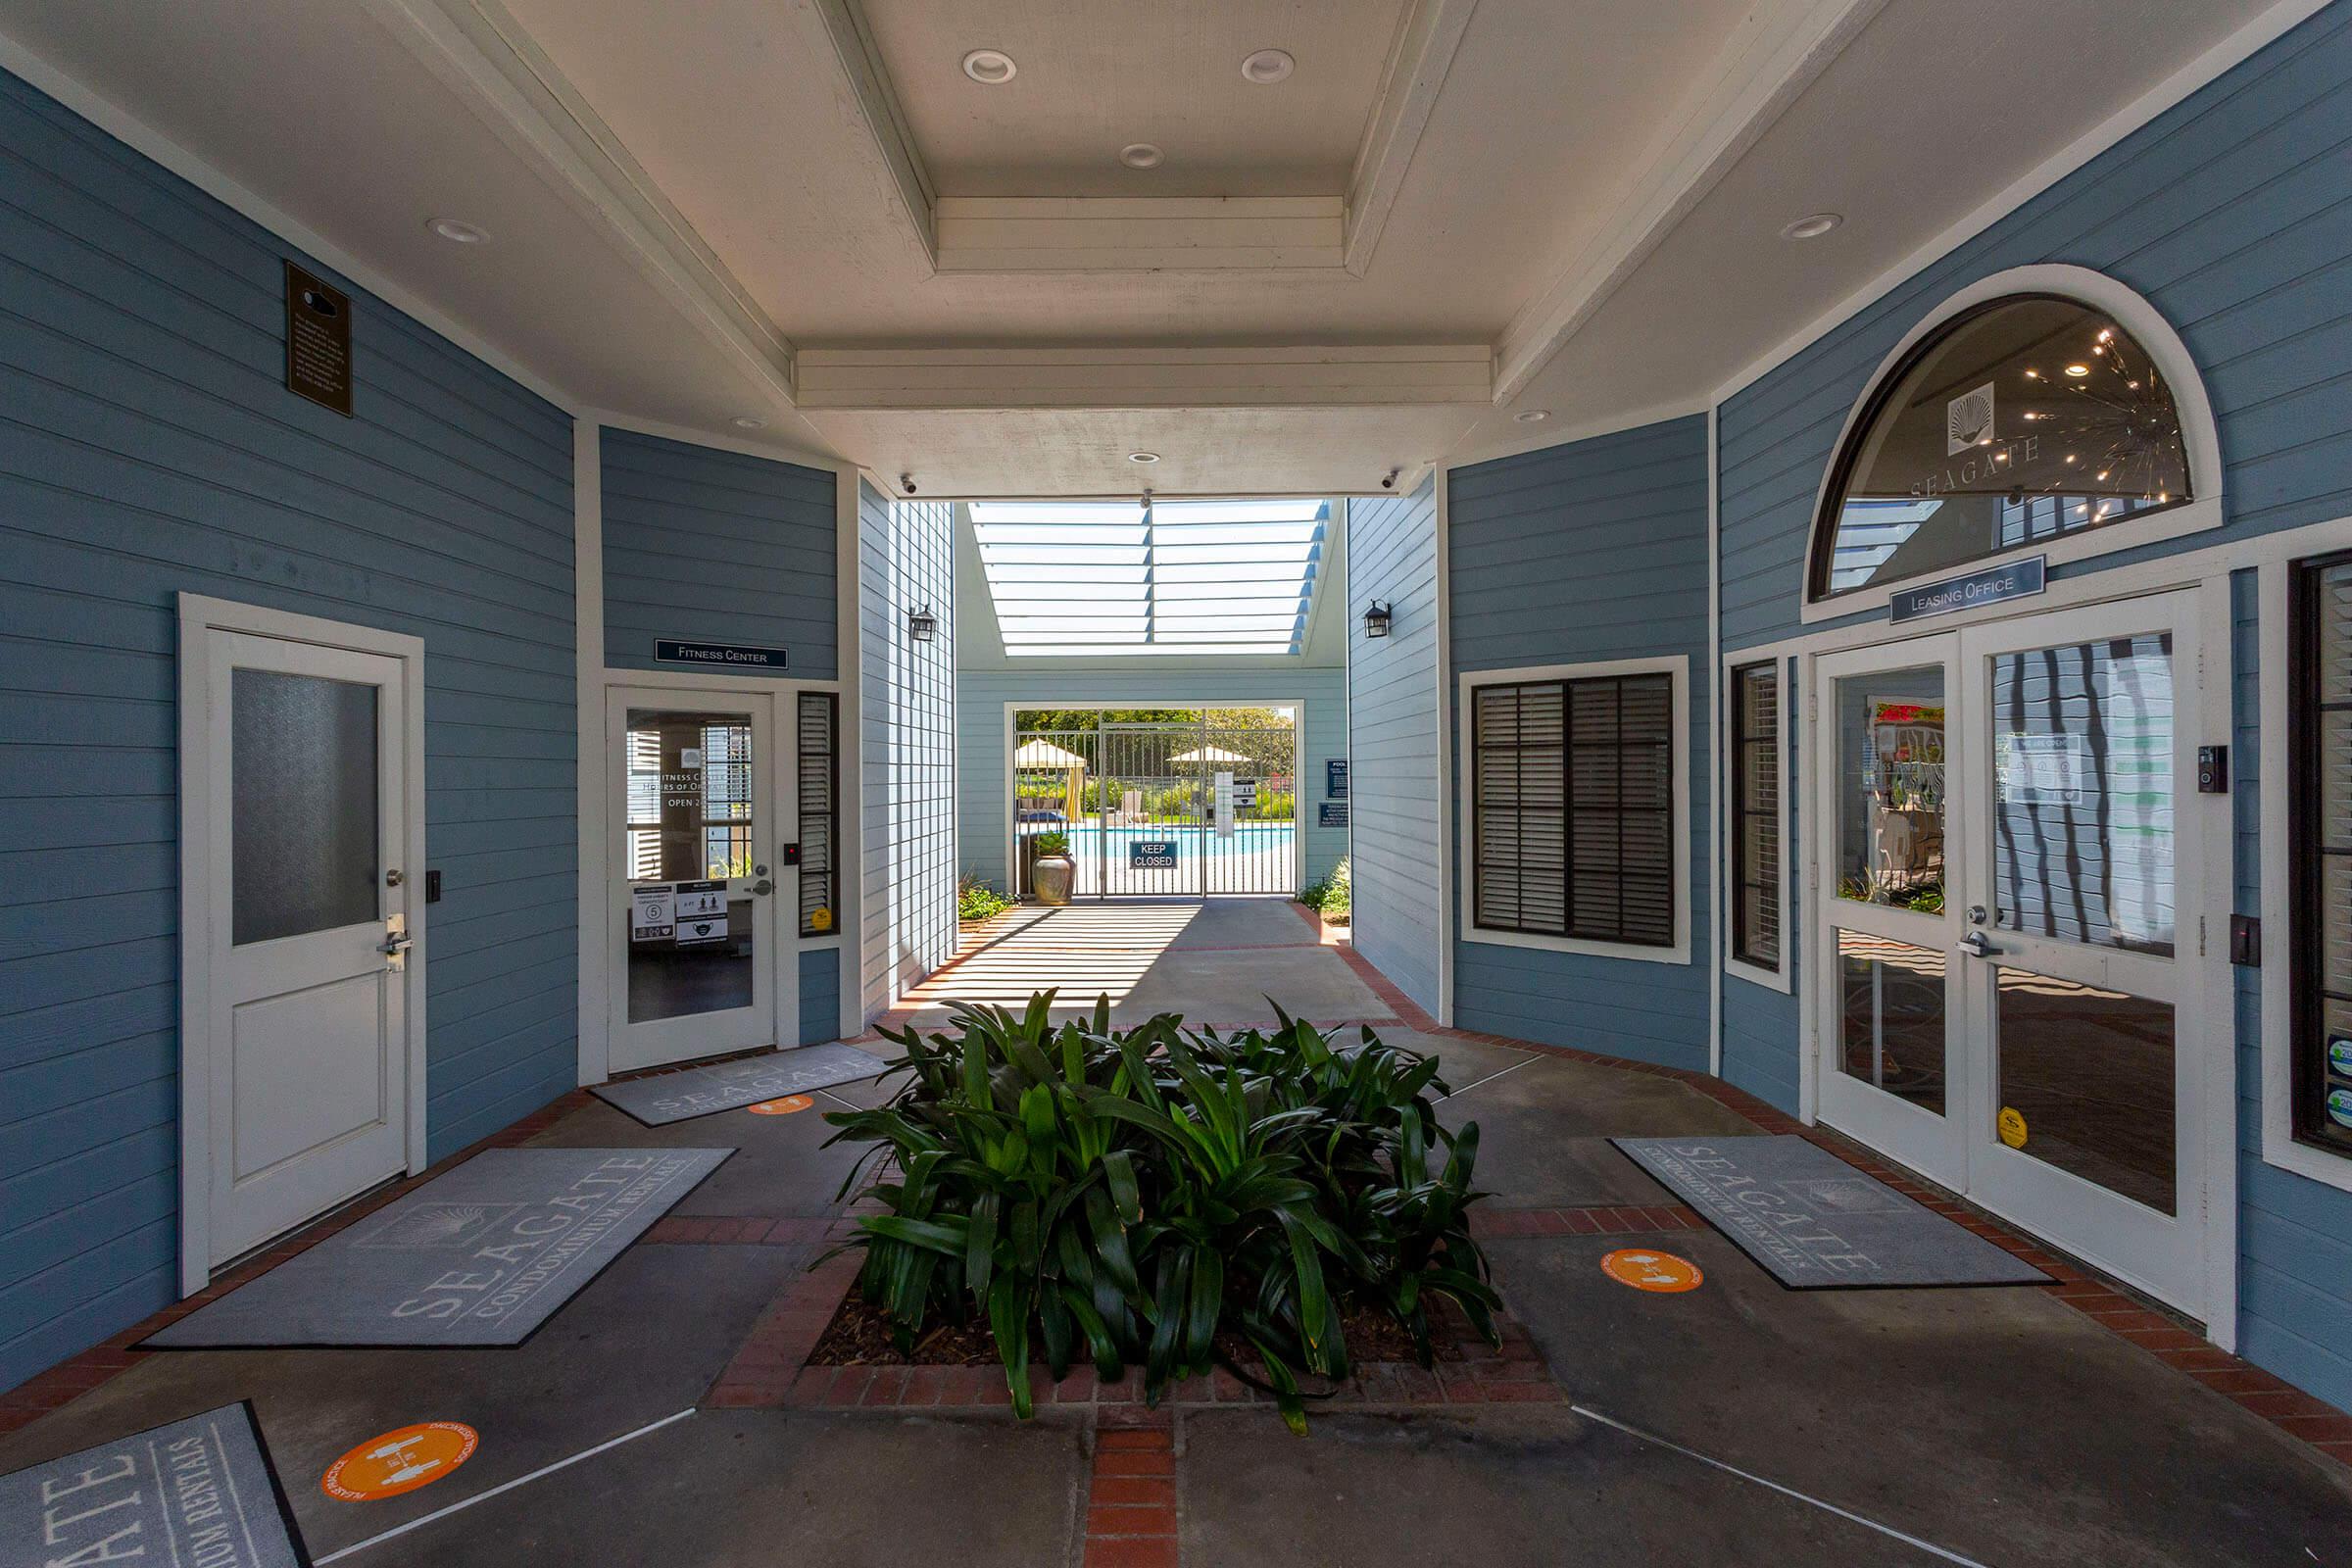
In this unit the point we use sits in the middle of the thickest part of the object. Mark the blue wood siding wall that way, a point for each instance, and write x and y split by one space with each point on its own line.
1392 740
1594 550
2227 212
981 696
820 994
907 722
148 446
714 546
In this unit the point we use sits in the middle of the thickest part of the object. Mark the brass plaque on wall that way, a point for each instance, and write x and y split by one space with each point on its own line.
317 340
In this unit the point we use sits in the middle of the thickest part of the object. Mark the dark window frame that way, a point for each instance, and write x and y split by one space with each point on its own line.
830 868
1674 809
1744 815
1822 543
2308 1037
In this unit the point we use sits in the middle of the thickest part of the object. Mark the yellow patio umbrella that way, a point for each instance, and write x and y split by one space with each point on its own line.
1040 754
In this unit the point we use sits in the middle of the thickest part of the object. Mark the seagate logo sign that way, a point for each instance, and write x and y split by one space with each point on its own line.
1968 420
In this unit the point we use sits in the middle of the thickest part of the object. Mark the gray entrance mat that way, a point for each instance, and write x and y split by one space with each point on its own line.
198 1490
1816 1222
482 1256
724 1085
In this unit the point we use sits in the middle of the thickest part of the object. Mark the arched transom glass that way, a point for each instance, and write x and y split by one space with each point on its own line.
2028 419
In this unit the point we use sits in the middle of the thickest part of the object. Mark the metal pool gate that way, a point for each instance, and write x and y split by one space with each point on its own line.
1172 807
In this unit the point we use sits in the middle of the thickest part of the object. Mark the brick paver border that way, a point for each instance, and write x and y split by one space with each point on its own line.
767 1370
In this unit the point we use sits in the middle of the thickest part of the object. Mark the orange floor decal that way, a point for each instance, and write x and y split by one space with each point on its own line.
781 1108
398 1461
1645 1270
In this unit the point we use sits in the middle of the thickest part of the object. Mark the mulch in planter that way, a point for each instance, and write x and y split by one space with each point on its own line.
860 1334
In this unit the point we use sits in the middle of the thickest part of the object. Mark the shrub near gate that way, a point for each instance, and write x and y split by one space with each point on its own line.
1165 1198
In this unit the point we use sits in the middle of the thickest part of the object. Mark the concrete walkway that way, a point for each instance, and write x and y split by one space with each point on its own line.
1737 1424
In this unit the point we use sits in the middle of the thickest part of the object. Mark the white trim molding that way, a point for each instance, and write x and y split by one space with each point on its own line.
1676 666
197 615
2137 317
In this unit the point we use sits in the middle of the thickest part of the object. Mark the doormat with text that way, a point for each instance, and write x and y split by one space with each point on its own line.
481 1255
195 1491
672 1097
1816 1222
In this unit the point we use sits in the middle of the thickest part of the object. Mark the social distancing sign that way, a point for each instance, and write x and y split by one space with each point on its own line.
1647 1270
402 1460
784 1106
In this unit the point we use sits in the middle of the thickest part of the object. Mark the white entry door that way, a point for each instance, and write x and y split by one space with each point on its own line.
306 929
694 788
2010 879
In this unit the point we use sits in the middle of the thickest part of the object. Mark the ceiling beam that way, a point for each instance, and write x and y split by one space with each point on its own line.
482 54
1427 36
884 120
1146 378
1139 234
1776 53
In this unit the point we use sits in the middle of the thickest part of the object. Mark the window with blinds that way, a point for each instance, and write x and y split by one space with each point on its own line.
1755 702
2321 828
820 811
1572 808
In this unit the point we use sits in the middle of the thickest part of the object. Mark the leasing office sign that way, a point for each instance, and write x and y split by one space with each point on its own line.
2015 579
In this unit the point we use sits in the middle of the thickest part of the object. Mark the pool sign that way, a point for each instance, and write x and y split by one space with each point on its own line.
2018 579
1331 813
1150 855
1335 778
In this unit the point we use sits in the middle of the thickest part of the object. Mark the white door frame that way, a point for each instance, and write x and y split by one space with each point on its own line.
1298 793
598 976
199 615
2206 573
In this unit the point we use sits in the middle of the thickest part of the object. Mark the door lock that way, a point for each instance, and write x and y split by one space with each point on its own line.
1976 915
396 944
1976 943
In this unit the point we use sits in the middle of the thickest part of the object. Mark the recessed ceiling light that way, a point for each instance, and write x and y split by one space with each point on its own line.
1267 65
1812 227
1143 457
990 68
750 421
2078 371
1141 155
457 231
1532 415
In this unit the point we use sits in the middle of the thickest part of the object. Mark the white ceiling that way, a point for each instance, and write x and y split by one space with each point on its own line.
683 198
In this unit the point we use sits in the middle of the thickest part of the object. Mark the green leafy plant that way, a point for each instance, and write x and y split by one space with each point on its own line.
1337 898
1155 1198
976 899
1052 843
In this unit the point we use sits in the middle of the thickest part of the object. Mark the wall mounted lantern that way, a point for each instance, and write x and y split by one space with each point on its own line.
1375 619
921 624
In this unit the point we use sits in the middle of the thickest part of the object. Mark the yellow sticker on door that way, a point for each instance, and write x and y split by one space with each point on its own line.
401 1461
2012 1125
821 918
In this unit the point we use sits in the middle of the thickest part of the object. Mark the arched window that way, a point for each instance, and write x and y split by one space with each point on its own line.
2028 417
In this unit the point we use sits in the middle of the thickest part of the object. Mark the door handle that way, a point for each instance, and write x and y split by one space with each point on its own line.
395 945
1976 943
763 887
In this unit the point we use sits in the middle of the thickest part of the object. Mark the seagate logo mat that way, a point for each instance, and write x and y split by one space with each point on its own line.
722 1086
198 1492
481 1255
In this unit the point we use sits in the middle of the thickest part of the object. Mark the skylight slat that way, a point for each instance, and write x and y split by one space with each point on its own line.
1070 578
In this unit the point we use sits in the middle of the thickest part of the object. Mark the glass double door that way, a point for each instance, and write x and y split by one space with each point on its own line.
697 844
2008 940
